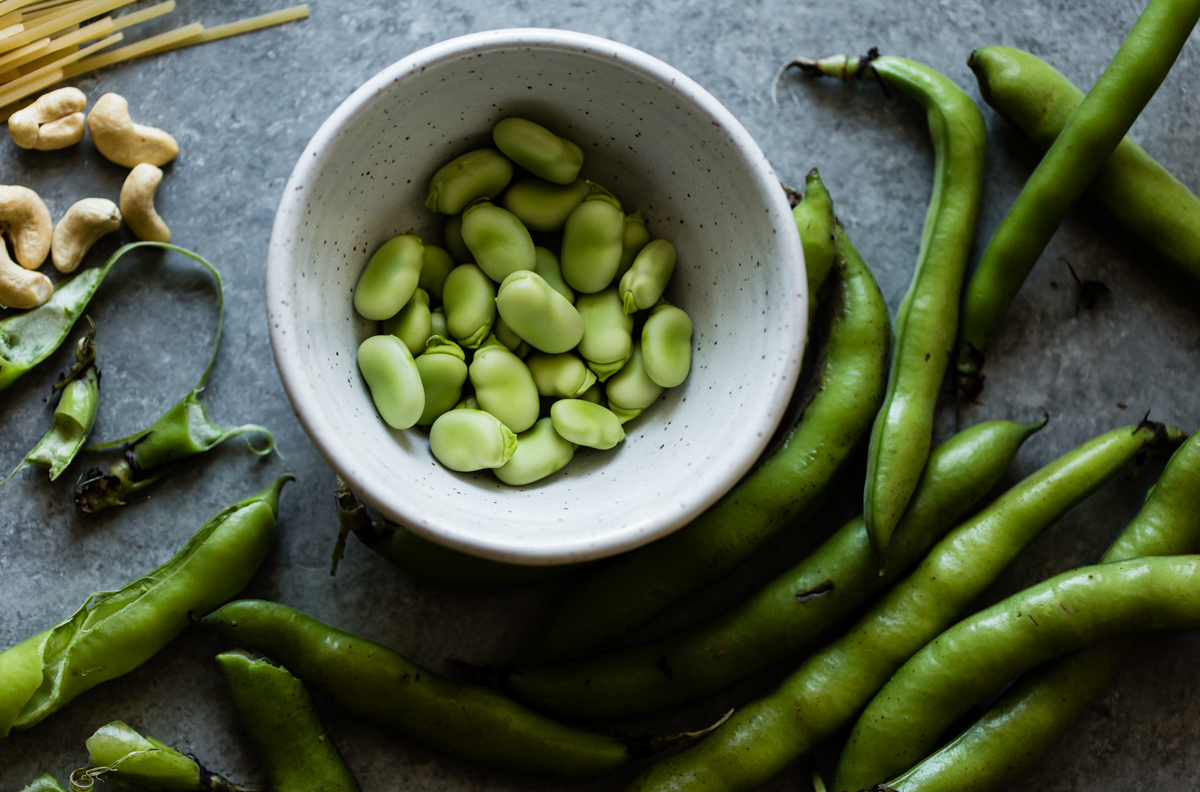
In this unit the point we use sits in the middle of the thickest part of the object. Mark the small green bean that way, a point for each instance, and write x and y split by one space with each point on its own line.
643 285
118 753
468 403
547 267
414 324
815 222
393 380
496 238
443 372
540 452
504 386
538 314
586 424
595 395
436 267
541 205
593 240
437 323
607 332
538 150
631 390
390 278
477 174
634 238
467 440
667 344
505 335
562 376
452 236
469 299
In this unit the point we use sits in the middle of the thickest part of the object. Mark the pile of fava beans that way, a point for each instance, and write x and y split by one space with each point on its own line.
511 355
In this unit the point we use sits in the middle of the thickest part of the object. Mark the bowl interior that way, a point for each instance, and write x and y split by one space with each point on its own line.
663 146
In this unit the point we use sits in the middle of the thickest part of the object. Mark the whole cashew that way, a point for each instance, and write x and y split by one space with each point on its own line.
21 288
84 223
54 121
124 142
137 204
26 220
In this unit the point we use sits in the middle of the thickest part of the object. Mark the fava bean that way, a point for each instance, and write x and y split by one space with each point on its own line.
452 236
538 150
593 240
547 267
815 222
443 371
586 424
537 313
562 376
437 265
541 205
477 174
390 278
469 299
643 285
607 332
118 753
594 394
414 324
505 335
497 240
504 386
467 440
437 323
393 379
667 344
634 238
468 403
631 390
540 452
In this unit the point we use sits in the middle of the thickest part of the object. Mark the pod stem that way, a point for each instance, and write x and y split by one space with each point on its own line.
352 516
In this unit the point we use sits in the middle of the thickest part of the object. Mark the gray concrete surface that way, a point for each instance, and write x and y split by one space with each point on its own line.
243 110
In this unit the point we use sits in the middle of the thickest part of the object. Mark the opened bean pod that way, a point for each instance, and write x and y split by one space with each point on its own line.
117 752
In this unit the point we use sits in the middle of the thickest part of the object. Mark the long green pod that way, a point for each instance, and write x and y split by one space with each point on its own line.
277 713
788 613
847 390
928 319
116 631
831 687
377 684
1086 142
975 657
815 222
1018 730
1146 201
118 753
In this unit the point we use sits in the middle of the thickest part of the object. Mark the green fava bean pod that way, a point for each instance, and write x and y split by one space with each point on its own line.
497 240
586 424
118 753
469 299
1024 724
467 440
477 174
538 150
643 285
505 335
116 631
452 236
562 376
815 222
607 332
541 205
277 713
393 379
504 386
390 278
831 687
540 452
593 240
547 267
847 389
538 314
443 371
437 324
631 390
414 324
633 240
46 783
667 344
437 266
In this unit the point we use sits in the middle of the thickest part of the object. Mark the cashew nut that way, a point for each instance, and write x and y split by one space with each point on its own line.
84 223
21 288
137 204
26 220
124 142
54 121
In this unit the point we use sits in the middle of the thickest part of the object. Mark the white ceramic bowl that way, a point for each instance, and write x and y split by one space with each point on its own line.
662 144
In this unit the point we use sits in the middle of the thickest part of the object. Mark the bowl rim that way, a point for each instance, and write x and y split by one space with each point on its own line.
286 346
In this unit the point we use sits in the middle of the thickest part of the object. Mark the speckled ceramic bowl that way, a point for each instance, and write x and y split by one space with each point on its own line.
662 144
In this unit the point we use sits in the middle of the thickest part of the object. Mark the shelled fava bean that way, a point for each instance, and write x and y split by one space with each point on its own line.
481 339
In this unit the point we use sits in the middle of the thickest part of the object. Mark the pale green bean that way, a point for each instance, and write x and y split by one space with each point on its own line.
586 424
540 452
395 385
667 345
467 440
390 277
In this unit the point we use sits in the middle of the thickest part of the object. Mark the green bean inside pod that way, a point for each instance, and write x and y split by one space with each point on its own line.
469 299
562 376
607 332
498 241
542 205
504 386
538 150
644 283
467 440
631 390
390 278
443 371
667 344
538 314
633 240
116 752
593 240
414 324
541 451
483 173
586 424
393 379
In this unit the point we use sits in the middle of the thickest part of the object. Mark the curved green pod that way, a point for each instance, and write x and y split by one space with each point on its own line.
815 222
504 386
583 423
505 335
437 324
847 388
631 390
667 344
540 452
562 376
393 379
593 240
477 174
538 150
469 300
643 285
542 205
633 240
414 324
277 713
390 278
438 264
539 314
443 371
467 440
547 266
118 753
452 236
497 240
607 332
